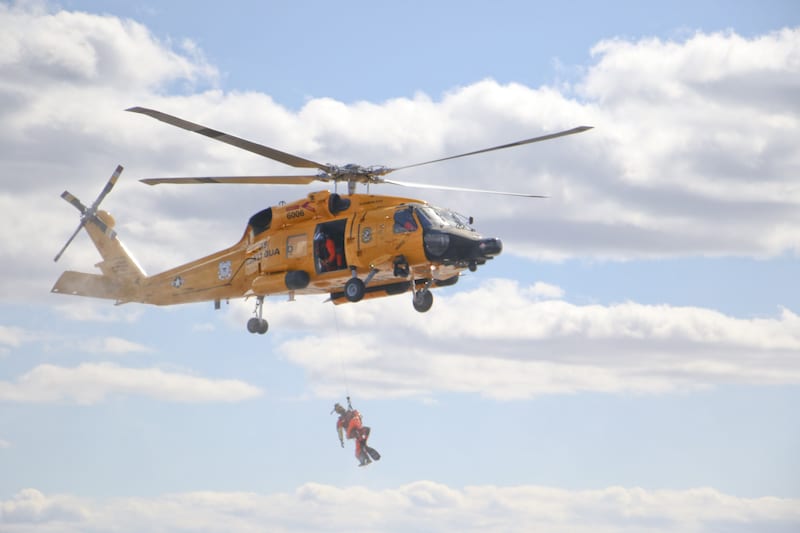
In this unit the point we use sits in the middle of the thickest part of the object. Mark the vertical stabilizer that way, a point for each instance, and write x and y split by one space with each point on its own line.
121 274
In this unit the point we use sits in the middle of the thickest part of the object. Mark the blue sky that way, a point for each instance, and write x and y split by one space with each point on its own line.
376 50
632 359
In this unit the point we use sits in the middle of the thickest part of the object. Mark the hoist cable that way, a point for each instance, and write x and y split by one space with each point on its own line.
341 356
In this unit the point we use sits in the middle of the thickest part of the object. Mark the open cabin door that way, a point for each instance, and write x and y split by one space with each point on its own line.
329 254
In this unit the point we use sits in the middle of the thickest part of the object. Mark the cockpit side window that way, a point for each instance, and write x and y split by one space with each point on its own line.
404 221
460 221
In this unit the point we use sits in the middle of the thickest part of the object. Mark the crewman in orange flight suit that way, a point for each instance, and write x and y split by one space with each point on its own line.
330 247
349 424
329 256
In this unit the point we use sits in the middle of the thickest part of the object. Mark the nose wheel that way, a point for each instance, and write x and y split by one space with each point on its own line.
258 324
423 300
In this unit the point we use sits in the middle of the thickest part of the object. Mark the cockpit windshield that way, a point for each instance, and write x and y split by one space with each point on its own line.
437 217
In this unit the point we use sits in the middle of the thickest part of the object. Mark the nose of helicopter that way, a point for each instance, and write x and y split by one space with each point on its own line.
489 247
460 248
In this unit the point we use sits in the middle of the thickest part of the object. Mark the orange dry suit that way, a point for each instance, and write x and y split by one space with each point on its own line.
331 257
349 424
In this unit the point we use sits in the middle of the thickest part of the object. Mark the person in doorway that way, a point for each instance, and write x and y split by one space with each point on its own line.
329 257
350 425
330 253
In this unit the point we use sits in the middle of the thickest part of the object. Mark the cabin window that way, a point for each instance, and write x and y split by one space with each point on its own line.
296 246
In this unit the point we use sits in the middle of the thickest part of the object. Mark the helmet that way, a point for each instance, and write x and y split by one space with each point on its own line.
338 409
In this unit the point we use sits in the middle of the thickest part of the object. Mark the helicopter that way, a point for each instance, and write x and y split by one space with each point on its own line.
352 247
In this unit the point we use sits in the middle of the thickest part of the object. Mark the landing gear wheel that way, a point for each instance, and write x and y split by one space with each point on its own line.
354 289
423 300
257 325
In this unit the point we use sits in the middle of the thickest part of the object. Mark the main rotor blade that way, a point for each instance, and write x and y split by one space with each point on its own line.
268 180
260 149
461 189
547 137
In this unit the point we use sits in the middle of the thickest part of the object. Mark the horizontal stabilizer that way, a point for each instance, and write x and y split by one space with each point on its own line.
92 285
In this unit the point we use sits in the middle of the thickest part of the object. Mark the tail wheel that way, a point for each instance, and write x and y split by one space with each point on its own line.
423 300
257 324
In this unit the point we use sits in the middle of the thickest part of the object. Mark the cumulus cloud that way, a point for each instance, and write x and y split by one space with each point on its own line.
76 48
30 507
91 383
90 310
693 150
705 181
516 344
419 506
12 336
113 346
546 290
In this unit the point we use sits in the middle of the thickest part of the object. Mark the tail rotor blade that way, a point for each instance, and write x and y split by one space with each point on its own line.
109 185
69 197
69 241
89 214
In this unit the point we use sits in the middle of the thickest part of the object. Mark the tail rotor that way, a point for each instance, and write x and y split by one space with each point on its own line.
89 214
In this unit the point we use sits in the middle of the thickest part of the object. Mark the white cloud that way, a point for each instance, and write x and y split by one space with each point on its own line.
112 345
90 310
514 344
76 48
693 150
13 336
704 180
546 291
4 444
418 506
29 508
90 383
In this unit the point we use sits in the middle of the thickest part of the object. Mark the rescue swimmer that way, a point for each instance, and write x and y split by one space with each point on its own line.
350 425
